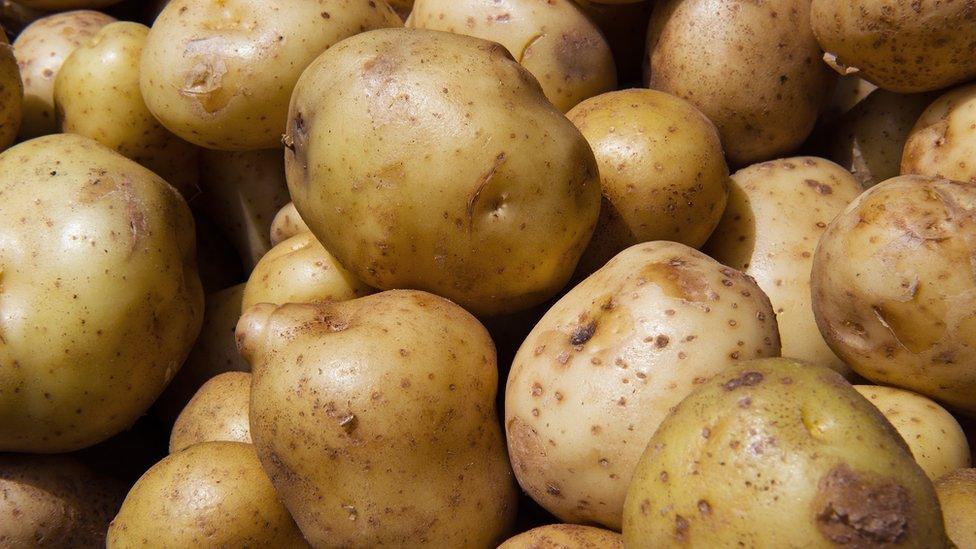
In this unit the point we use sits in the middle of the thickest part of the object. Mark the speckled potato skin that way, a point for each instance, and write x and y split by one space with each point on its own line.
101 299
218 412
778 453
213 494
286 224
553 40
54 502
565 536
662 171
893 290
219 73
770 230
942 142
433 161
957 492
96 94
11 94
608 362
904 46
58 5
752 67
40 51
934 437
375 419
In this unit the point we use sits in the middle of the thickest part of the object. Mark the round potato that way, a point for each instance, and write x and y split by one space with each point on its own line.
218 412
943 141
220 74
286 224
752 67
101 300
553 40
777 212
569 536
609 361
481 190
957 492
11 94
40 51
662 171
893 291
212 494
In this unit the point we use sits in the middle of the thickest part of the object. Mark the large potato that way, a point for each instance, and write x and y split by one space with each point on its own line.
429 160
777 212
375 419
565 536
11 94
752 67
957 493
901 46
218 412
777 453
101 300
553 40
893 288
40 51
943 141
286 224
219 73
610 360
662 171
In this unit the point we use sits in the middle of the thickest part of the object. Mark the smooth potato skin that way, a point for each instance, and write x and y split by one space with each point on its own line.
778 453
957 492
11 94
565 536
942 142
218 412
432 161
606 364
893 292
286 224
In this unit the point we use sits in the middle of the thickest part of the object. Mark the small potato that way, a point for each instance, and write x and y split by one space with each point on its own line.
770 231
611 359
40 51
213 494
11 94
957 492
286 224
553 40
935 438
943 141
218 412
568 536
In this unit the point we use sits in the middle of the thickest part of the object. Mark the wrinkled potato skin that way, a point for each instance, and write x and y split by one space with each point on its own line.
662 171
893 291
752 67
778 453
286 224
934 437
606 364
403 413
484 194
220 73
301 270
902 46
213 494
957 492
100 286
943 141
553 40
96 94
565 536
218 412
58 5
40 51
11 94
777 212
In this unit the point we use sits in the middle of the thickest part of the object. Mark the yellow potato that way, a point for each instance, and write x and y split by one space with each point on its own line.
957 492
286 224
943 141
218 412
568 536
11 94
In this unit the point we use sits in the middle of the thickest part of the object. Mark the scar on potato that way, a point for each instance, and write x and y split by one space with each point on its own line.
483 182
853 511
677 279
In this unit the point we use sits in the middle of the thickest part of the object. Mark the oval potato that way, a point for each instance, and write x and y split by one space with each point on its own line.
943 141
286 224
217 412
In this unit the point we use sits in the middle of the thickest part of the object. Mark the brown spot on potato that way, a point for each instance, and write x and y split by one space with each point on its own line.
854 511
747 379
821 188
677 279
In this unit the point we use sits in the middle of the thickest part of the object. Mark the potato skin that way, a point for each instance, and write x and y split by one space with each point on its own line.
565 536
484 193
11 94
892 291
100 286
286 224
220 73
396 391
218 412
778 453
752 67
956 492
777 212
606 364
942 142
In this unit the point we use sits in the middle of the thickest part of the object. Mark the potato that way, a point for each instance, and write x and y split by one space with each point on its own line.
101 299
218 412
956 492
903 47
934 437
286 224
943 141
484 193
778 453
96 94
213 494
553 40
40 51
752 67
54 501
609 361
58 5
220 74
300 270
569 536
375 419
624 24
11 94
893 292
662 171
770 230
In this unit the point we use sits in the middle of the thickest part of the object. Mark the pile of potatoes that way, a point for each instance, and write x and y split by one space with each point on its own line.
483 273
